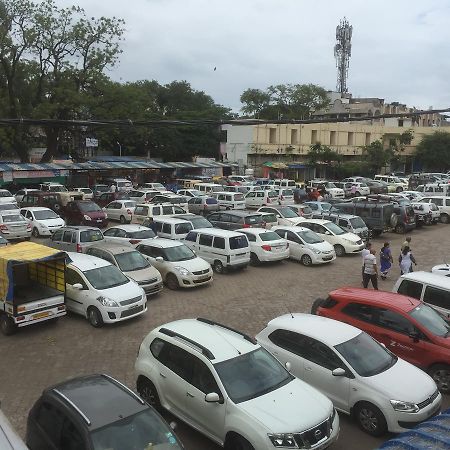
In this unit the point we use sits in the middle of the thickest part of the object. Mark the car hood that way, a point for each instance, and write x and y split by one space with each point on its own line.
294 407
143 274
296 220
95 214
123 292
322 246
193 265
404 382
350 236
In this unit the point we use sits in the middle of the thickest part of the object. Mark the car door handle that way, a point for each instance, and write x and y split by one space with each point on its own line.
188 394
308 368
162 375
275 353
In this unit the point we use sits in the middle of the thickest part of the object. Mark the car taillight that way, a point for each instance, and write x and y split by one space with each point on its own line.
134 241
267 248
79 248
3 227
29 226
246 225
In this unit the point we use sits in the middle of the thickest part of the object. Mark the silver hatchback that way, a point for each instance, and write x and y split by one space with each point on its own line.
14 226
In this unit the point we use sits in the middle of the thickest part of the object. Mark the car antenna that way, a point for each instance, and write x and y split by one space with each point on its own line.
292 315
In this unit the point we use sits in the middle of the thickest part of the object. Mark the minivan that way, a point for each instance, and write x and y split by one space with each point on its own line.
230 200
223 249
208 188
171 227
145 210
429 287
434 189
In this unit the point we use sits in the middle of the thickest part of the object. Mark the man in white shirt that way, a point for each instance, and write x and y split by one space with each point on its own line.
370 272
364 253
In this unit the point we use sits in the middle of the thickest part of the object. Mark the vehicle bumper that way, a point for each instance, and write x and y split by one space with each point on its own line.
152 289
410 226
350 248
17 235
191 281
102 223
323 258
30 319
112 315
269 256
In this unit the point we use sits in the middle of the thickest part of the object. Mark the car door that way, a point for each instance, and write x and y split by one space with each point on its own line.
67 242
151 253
112 210
76 299
205 250
296 245
250 199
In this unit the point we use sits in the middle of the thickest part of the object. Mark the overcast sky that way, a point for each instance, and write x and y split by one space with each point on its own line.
400 49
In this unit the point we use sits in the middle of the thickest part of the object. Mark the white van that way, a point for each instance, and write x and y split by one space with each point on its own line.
122 184
283 183
171 227
434 189
208 188
256 199
145 210
229 200
431 288
223 249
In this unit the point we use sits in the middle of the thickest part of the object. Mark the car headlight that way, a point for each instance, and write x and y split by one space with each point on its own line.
398 405
106 216
284 440
107 302
182 271
86 217
349 241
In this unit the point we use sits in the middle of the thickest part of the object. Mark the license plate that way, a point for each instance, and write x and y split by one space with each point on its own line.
203 278
41 315
99 220
134 306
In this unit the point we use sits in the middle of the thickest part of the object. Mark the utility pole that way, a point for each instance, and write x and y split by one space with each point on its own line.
342 53
120 148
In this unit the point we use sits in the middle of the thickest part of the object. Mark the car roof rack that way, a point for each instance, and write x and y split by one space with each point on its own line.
217 324
125 388
72 404
206 352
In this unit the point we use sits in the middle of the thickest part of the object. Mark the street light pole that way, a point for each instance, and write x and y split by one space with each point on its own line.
120 148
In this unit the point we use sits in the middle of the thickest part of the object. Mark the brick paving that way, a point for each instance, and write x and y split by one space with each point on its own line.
41 355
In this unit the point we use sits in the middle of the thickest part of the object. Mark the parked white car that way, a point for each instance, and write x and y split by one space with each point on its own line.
442 202
99 291
305 245
265 245
190 193
284 214
359 375
44 221
442 269
129 234
394 183
222 383
155 186
427 213
285 196
121 210
6 196
14 226
88 194
256 199
229 200
142 195
342 241
177 263
170 197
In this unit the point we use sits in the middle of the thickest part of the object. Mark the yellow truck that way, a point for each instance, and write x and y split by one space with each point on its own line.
32 285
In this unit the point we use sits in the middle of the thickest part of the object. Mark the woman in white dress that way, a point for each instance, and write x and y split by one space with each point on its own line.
406 260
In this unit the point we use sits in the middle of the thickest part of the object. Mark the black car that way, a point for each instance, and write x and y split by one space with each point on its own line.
95 412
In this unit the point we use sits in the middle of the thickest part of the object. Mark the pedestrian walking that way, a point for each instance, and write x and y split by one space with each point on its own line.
151 224
406 243
385 260
353 190
406 260
370 270
365 251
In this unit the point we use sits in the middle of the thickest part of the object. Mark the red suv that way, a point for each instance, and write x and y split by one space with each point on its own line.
85 212
408 327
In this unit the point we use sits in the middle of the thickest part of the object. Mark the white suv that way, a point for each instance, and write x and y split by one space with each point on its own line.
222 383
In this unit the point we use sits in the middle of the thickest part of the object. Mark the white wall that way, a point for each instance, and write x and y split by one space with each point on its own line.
239 141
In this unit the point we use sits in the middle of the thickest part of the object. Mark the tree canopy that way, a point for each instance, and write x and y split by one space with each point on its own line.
433 151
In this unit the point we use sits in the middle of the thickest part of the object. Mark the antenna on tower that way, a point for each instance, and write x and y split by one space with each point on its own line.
342 53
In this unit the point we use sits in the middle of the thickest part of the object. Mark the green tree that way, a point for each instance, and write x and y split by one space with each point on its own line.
377 156
255 101
433 151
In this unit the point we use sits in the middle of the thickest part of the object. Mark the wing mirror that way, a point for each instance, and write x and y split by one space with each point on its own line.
78 286
288 366
212 397
338 372
414 335
159 259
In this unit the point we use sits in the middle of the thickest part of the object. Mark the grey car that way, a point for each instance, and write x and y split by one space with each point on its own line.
203 205
234 220
75 238
14 226
131 263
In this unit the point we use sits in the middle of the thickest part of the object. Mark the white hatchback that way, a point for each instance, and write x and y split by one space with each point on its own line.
44 221
121 210
100 292
359 375
128 234
305 245
265 245
7 197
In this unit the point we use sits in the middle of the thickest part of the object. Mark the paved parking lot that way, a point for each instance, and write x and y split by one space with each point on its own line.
41 355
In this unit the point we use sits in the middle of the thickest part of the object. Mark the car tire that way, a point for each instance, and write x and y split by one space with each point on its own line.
146 389
399 189
357 194
237 442
339 249
400 228
445 218
254 260
428 220
94 317
218 266
306 260
441 376
172 282
7 325
122 219
35 232
370 419
316 304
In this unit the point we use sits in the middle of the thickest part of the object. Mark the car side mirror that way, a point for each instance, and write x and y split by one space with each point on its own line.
338 372
414 336
212 397
78 286
159 259
288 366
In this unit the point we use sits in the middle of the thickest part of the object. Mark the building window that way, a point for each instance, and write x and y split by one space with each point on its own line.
294 136
400 122
313 137
367 142
272 135
350 138
333 140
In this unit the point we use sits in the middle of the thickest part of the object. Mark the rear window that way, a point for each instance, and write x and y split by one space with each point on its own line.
269 218
13 218
91 236
272 194
252 220
211 201
239 197
183 228
238 242
5 194
269 236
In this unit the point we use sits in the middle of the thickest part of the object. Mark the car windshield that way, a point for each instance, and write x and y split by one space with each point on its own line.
269 236
238 242
330 185
136 432
335 229
310 237
5 194
196 193
88 207
366 355
357 222
45 214
13 218
178 253
183 228
130 261
211 201
287 212
252 375
200 222
105 277
141 234
91 236
326 206
431 320
253 219
269 218
58 189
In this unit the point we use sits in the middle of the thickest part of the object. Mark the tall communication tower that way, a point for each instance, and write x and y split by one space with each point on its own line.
342 53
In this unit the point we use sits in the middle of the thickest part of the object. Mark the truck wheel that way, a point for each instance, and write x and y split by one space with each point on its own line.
94 316
7 325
